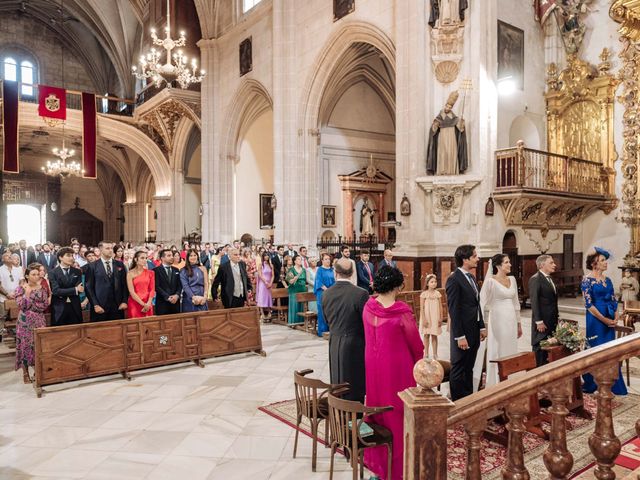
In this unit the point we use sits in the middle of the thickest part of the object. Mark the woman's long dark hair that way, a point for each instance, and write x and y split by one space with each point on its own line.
187 263
496 261
134 260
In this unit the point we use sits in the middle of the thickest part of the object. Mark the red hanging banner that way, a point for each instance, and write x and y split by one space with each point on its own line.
542 9
52 102
10 127
89 135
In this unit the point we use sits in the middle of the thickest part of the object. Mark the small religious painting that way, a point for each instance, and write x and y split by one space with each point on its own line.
328 216
511 53
246 57
405 206
342 8
266 211
489 207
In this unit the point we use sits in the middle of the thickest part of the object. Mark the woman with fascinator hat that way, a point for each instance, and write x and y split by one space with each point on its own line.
601 310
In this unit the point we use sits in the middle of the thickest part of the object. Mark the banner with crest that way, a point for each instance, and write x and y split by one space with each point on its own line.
52 103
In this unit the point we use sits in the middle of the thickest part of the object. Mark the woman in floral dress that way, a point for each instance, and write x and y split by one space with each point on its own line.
32 300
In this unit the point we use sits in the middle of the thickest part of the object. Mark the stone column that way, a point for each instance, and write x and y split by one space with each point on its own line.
135 221
216 180
166 226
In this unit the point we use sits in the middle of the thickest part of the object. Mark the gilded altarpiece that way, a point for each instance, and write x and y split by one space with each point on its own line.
580 115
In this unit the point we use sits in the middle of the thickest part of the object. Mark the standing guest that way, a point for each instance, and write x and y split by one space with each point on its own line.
303 256
365 272
10 278
325 279
168 285
296 280
290 251
346 253
233 281
250 267
45 284
205 256
263 288
602 313
32 300
77 257
127 256
501 311
107 286
387 260
15 259
118 253
178 262
431 315
142 287
467 325
278 263
312 270
195 283
26 255
342 306
544 306
392 348
66 288
47 258
90 257
224 257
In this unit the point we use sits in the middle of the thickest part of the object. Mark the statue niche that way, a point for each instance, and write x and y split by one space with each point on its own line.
367 218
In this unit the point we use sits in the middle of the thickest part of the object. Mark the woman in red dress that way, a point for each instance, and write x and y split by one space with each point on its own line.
142 287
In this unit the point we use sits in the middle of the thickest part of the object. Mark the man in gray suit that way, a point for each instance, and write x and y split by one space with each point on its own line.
342 305
544 305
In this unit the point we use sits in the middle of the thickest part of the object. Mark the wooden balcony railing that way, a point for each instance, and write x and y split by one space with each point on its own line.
104 103
526 168
428 415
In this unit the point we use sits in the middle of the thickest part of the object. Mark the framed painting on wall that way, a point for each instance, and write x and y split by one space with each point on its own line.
342 8
328 216
511 54
266 211
246 56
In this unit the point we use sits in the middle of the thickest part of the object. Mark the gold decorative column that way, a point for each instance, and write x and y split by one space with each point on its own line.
627 13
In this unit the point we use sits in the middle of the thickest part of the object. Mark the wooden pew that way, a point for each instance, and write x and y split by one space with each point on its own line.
310 318
87 350
277 294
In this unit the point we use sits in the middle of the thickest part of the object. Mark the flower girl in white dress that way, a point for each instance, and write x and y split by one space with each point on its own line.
501 309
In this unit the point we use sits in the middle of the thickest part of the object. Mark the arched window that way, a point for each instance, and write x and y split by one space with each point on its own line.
249 4
21 70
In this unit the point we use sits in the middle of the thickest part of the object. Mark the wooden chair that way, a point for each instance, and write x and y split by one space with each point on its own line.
310 318
623 331
313 406
277 294
631 313
345 418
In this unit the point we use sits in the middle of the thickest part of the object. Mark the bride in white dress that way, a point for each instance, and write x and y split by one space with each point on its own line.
501 309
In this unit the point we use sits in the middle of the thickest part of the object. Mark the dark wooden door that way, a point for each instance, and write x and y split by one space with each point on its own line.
567 252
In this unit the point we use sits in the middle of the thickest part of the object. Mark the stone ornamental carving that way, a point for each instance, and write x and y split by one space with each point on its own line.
447 196
447 38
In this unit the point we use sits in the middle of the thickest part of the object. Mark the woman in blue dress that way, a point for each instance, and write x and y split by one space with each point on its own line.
602 313
195 283
324 279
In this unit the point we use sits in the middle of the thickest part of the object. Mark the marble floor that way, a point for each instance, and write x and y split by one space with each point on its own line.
170 423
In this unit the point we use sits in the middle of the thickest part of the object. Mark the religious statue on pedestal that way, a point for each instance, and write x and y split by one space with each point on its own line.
366 219
446 12
447 150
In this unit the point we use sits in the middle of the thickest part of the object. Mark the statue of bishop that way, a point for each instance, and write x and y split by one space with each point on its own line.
447 150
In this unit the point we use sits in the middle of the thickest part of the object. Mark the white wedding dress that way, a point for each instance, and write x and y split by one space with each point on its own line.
501 309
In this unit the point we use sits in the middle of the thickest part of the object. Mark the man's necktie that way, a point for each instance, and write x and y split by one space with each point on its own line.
553 285
109 271
66 271
366 265
472 281
168 270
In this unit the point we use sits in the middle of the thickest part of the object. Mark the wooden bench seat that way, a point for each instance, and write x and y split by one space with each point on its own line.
310 318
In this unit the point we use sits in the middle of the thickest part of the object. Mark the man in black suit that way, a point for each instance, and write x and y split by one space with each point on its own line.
544 305
27 255
232 277
467 326
365 272
66 286
168 286
387 260
106 284
342 306
205 256
278 260
47 258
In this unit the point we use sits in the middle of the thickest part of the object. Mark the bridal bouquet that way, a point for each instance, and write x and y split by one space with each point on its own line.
569 335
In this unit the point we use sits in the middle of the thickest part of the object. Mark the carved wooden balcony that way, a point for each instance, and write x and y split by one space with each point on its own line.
428 415
544 190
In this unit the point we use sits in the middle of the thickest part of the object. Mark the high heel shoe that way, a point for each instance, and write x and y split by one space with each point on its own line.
26 378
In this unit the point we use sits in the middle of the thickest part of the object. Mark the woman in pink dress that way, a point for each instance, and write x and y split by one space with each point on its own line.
392 347
142 287
264 284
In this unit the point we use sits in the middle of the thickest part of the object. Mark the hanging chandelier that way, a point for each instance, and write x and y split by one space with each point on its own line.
61 167
177 65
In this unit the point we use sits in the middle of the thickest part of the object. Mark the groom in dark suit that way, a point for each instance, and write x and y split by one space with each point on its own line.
467 326
66 286
544 305
106 281
168 285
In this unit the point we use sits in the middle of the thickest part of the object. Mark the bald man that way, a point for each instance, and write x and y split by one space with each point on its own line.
342 306
387 260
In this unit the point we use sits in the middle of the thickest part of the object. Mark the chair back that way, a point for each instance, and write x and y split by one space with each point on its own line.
277 293
341 412
622 331
305 297
307 398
